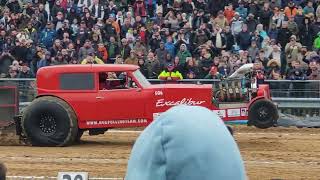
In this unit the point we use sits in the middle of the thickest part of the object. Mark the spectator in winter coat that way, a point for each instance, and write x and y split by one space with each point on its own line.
292 26
161 53
243 11
48 35
92 59
290 10
265 16
251 23
113 50
153 66
102 52
132 59
205 64
46 61
244 38
25 72
229 38
125 49
171 134
253 51
292 49
139 47
284 35
85 50
170 47
143 68
183 53
236 24
229 12
273 32
308 8
278 17
170 73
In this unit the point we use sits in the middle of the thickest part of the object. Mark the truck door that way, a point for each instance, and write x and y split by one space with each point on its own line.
119 98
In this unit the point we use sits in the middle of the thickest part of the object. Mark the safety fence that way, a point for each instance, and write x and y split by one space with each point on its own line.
297 97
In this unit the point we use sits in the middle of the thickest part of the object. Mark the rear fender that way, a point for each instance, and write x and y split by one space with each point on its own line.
46 95
254 100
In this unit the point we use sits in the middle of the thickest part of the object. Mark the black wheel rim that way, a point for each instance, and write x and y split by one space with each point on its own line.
48 124
263 114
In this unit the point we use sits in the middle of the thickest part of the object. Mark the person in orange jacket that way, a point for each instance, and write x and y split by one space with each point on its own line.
290 10
102 52
229 12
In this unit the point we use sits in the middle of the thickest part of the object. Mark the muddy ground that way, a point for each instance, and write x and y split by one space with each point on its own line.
276 153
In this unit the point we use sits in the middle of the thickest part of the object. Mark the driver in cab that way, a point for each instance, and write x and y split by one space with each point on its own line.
110 80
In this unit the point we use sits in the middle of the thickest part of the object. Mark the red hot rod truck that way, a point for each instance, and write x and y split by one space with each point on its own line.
72 99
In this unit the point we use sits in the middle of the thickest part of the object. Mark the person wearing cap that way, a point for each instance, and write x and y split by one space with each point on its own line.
92 59
292 49
170 73
213 74
186 143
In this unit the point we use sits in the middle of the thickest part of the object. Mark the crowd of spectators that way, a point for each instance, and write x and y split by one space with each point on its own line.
195 36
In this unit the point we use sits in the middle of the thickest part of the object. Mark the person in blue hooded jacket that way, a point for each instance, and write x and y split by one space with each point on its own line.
186 143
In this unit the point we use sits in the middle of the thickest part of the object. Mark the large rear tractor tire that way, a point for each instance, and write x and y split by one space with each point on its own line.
263 114
49 121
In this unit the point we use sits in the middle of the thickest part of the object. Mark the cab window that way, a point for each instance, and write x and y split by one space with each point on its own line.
115 80
77 81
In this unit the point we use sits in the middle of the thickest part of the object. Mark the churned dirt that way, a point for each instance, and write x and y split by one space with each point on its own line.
276 153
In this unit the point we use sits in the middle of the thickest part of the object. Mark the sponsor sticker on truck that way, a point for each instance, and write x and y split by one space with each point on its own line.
233 112
220 113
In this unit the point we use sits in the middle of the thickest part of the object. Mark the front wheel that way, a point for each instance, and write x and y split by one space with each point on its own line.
263 114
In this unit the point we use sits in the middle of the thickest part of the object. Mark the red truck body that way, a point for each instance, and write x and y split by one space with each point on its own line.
131 106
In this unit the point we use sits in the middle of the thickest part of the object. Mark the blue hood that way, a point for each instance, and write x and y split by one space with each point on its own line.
186 143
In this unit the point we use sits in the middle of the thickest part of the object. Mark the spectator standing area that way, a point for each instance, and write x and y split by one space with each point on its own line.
191 36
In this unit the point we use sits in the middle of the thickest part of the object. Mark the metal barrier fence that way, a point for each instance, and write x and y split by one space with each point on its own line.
299 97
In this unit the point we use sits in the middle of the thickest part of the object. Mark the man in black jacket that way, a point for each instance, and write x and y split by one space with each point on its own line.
244 38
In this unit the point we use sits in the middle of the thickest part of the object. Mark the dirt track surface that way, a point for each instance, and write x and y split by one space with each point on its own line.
277 153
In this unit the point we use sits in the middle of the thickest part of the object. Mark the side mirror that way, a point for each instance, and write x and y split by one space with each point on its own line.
138 89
